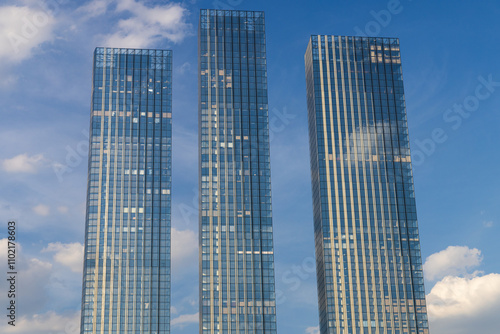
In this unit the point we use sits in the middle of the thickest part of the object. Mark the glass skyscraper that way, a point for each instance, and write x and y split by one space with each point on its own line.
237 292
126 275
369 267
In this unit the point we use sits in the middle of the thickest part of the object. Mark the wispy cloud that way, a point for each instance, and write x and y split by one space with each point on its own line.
93 8
312 330
26 29
23 163
488 224
42 210
63 209
146 26
184 252
184 68
46 323
185 149
185 319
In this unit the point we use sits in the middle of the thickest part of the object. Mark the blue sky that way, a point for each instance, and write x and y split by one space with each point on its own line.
452 83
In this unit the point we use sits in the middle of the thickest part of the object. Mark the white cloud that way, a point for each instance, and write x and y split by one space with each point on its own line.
33 279
454 260
22 29
461 303
312 330
46 323
148 25
70 255
42 287
185 319
3 246
459 296
93 8
184 246
458 305
35 265
41 210
23 163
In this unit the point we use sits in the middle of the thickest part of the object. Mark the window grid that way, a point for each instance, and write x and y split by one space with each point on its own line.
237 293
369 266
126 281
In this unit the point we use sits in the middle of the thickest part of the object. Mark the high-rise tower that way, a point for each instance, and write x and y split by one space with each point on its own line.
126 275
237 292
369 267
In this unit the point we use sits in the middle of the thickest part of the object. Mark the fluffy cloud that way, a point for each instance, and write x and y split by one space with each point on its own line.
47 323
22 29
41 210
23 163
458 305
454 260
3 254
185 319
43 287
70 255
459 296
33 278
461 302
25 28
146 26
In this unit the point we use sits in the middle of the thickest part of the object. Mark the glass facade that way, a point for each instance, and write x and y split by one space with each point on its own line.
237 292
369 267
126 276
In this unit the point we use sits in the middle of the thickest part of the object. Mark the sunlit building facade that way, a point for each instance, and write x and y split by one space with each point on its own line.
237 293
126 275
369 266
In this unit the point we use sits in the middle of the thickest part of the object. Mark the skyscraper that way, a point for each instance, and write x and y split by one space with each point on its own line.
369 267
237 292
126 275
